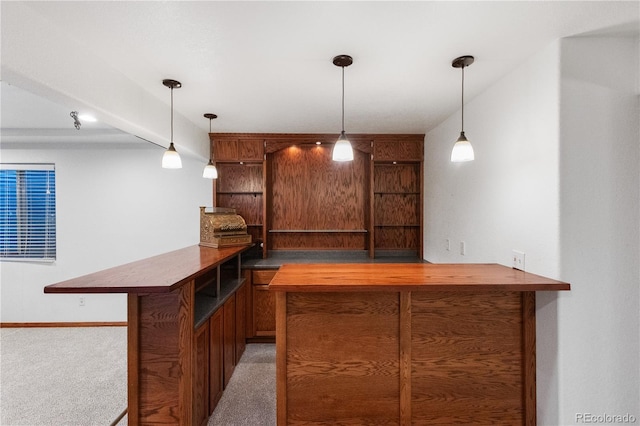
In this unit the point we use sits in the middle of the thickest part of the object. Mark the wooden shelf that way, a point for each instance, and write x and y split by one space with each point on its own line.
207 302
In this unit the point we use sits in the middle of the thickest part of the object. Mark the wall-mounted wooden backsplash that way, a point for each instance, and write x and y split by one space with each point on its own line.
294 197
314 198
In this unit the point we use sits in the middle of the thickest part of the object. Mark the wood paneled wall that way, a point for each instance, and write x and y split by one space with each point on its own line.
293 196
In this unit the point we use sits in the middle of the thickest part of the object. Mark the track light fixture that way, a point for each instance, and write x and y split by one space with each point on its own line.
210 171
76 121
462 149
342 150
171 158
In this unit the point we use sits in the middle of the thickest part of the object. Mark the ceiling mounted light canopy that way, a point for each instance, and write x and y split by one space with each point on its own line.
342 150
210 171
462 150
171 158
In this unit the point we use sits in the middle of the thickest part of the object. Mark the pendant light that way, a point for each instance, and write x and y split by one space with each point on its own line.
462 150
171 158
342 150
210 171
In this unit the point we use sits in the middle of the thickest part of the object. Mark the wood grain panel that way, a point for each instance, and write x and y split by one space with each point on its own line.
467 361
397 209
396 178
250 149
263 276
310 191
239 177
397 238
281 358
216 357
165 358
398 148
318 241
342 358
241 318
264 315
249 206
224 149
229 338
201 375
529 353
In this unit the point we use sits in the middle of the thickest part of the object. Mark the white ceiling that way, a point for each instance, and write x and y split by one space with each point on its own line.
267 66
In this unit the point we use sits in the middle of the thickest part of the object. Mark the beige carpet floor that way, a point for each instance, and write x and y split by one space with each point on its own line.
78 377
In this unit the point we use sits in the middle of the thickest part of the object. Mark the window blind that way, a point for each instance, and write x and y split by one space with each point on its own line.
28 211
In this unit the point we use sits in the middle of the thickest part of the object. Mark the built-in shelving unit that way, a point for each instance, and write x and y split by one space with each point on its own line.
294 197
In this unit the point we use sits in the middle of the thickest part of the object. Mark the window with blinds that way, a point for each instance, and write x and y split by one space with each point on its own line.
27 212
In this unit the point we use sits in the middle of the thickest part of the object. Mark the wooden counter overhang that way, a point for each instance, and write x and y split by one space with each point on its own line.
409 277
158 274
406 344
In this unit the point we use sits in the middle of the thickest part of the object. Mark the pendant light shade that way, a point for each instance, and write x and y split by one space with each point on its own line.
342 150
171 158
210 171
462 149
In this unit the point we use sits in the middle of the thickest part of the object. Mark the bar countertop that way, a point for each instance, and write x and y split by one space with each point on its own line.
408 277
157 274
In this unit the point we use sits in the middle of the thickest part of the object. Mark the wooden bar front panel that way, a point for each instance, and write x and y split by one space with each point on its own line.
342 360
160 357
467 363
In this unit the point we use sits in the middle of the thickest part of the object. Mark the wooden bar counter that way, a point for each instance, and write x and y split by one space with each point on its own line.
170 299
406 344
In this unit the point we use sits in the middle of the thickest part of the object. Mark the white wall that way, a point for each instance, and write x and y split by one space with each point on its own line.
114 205
556 176
507 198
599 228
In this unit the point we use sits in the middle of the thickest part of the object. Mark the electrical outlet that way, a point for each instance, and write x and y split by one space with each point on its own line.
517 260
81 301
463 248
447 244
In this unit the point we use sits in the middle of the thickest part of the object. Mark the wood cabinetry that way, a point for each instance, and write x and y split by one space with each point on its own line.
201 375
264 304
174 325
229 338
238 149
406 344
397 195
294 197
216 357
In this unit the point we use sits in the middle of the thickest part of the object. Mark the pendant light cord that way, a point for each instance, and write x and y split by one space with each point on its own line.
462 101
343 99
171 114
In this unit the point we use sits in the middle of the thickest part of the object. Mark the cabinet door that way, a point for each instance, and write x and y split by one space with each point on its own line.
238 149
201 376
250 149
264 311
398 149
216 356
229 338
263 304
241 316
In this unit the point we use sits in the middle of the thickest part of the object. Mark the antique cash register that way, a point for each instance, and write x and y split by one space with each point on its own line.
222 227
